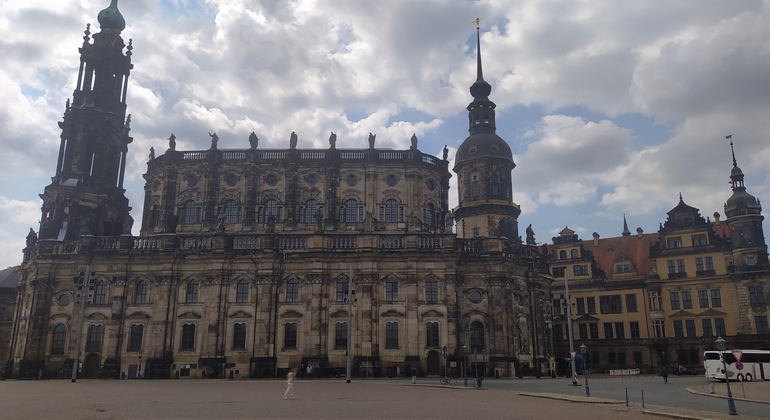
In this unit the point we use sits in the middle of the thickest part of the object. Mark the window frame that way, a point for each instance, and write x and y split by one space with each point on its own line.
242 291
432 340
95 338
290 330
192 292
135 337
59 340
431 291
141 293
240 332
100 293
292 291
391 290
341 335
187 341
391 335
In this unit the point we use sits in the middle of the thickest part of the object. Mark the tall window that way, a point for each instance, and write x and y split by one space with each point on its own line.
477 336
100 293
190 213
59 339
431 332
659 329
342 291
292 291
135 337
349 213
671 266
428 213
708 330
674 296
608 331
583 331
242 292
580 306
761 323
620 330
719 323
716 298
431 291
593 328
634 327
188 337
703 298
756 295
308 213
631 303
341 335
140 295
290 335
191 295
239 336
699 264
233 212
686 300
391 290
680 266
573 253
709 263
391 211
95 334
562 255
655 303
391 335
689 325
612 304
269 209
591 301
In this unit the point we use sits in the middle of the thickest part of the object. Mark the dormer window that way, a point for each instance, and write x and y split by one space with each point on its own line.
674 243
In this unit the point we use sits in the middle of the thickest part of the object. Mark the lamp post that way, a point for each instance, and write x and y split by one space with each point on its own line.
721 345
585 367
465 370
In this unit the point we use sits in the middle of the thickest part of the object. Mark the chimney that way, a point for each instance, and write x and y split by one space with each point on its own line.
596 240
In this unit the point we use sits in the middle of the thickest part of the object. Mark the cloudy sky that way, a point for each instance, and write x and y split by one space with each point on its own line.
609 107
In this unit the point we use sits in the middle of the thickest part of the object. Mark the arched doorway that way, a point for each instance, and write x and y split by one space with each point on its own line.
434 363
91 366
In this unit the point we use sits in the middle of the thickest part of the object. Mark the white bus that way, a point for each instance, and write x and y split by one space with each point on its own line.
756 365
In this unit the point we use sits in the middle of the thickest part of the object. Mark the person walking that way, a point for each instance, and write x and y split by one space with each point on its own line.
289 386
664 374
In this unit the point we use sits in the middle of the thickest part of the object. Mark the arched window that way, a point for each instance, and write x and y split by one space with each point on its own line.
428 215
100 293
349 213
190 213
477 336
391 211
94 341
562 255
746 235
135 339
574 253
431 291
308 213
233 212
270 209
239 336
59 339
292 291
140 295
191 295
242 292
188 337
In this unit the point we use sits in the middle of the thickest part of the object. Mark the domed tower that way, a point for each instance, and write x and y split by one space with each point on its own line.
86 195
743 214
483 165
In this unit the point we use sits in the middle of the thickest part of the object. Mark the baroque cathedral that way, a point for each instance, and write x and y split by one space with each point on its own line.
253 261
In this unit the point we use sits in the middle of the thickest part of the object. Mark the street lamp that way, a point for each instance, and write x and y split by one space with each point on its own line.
721 345
465 370
585 367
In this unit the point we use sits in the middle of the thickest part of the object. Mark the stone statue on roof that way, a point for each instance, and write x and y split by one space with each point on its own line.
172 142
293 140
333 140
253 140
371 140
414 142
214 140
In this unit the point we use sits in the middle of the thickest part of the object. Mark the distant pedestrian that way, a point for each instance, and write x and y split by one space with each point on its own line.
302 371
289 394
309 371
664 374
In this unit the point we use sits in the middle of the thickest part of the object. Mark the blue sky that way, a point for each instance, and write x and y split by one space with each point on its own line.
609 107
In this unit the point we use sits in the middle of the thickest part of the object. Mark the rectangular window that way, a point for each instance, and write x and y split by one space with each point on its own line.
559 271
620 330
239 336
290 335
556 304
637 358
391 335
100 293
699 240
719 323
703 298
674 297
188 337
608 330
680 266
341 335
94 342
699 264
594 329
580 270
686 300
616 304
391 291
631 303
431 291
431 339
242 292
191 293
678 330
59 339
621 359
708 331
135 337
756 295
709 263
558 332
634 327
591 305
761 323
674 243
751 261
689 327
342 291
292 291
141 293
716 298
671 266
583 331
655 303
659 329
604 304
580 305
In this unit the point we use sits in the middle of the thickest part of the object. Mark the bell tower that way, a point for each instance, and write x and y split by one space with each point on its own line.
86 195
483 165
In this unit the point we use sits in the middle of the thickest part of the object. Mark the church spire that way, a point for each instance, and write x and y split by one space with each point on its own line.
480 90
626 232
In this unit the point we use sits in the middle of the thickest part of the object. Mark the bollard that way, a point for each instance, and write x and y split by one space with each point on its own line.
642 398
626 397
711 388
414 379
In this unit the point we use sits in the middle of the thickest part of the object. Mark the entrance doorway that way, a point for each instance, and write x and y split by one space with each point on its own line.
434 363
91 366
